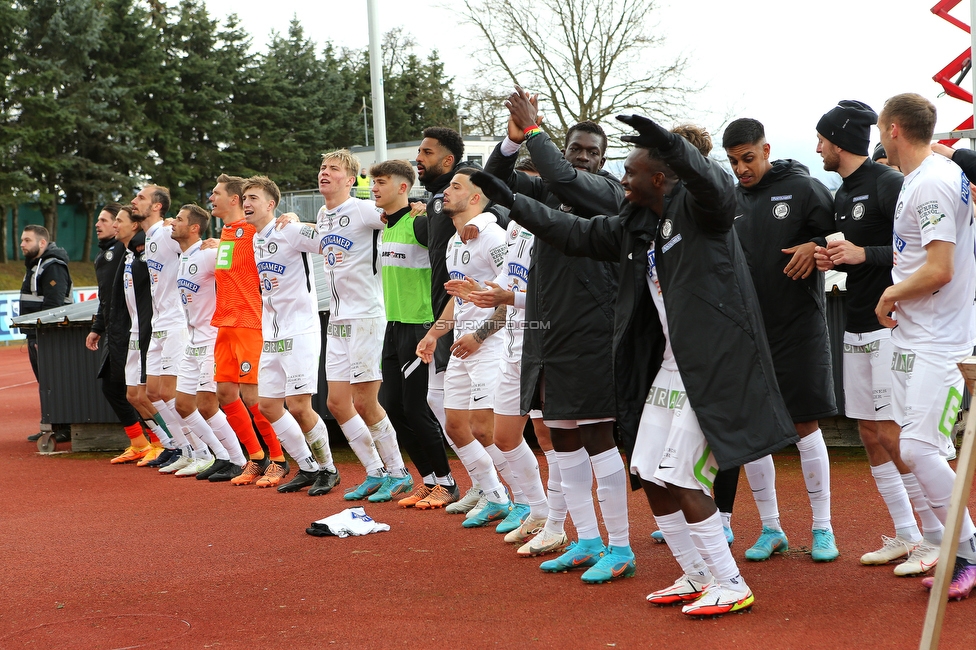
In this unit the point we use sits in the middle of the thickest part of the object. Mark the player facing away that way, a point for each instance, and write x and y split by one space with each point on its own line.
930 308
237 350
783 214
472 370
292 341
864 208
196 390
350 231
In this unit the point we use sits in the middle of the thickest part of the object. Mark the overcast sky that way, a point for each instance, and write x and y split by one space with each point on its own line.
783 62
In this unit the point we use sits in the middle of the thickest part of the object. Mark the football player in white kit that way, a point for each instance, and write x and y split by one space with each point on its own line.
196 390
169 333
292 341
930 308
350 232
472 372
534 514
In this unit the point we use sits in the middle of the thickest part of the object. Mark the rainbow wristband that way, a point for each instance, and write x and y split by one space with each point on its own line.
533 130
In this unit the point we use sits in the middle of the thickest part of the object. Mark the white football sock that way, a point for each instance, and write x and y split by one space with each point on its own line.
501 464
198 425
710 541
676 533
385 439
318 443
815 464
478 463
225 433
292 440
611 492
525 470
932 528
577 475
555 522
173 422
357 433
892 490
762 481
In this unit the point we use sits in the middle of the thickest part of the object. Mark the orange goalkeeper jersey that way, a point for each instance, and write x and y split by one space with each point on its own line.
238 288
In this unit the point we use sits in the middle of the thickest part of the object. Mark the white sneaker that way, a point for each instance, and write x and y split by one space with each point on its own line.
544 542
922 558
892 548
531 526
182 462
478 507
463 505
717 599
194 468
684 589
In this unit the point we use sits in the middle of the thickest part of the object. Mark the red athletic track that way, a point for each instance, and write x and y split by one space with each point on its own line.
100 556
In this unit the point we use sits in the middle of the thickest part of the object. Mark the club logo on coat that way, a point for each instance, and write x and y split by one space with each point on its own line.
781 210
438 205
109 255
667 228
857 212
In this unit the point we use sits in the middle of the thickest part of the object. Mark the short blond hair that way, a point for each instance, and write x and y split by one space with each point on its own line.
264 183
915 116
346 158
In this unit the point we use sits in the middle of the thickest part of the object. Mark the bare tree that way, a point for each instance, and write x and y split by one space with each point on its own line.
485 110
587 59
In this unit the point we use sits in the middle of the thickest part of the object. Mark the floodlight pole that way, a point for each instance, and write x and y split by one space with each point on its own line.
376 83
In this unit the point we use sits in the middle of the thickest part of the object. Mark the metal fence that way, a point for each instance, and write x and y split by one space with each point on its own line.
306 203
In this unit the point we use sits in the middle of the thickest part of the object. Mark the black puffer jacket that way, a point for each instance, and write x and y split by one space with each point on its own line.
570 298
117 321
712 311
786 208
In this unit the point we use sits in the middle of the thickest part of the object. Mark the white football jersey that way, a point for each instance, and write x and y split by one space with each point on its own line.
515 278
480 259
198 293
129 288
654 286
283 257
350 237
163 258
935 205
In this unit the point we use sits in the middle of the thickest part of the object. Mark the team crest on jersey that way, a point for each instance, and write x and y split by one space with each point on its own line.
152 247
193 269
109 255
667 228
272 248
438 204
309 232
781 210
239 232
343 221
857 212
269 283
465 257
